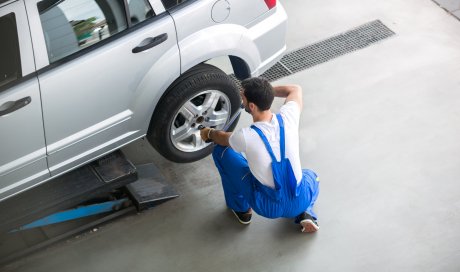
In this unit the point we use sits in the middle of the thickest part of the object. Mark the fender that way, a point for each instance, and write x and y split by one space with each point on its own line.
217 41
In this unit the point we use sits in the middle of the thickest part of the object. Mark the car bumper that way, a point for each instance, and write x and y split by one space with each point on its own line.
269 36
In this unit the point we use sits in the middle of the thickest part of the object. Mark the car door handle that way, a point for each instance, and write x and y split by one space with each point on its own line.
11 106
150 42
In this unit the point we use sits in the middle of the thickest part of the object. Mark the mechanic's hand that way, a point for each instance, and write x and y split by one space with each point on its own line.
204 133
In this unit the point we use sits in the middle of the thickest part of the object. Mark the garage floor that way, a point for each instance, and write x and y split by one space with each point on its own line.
381 127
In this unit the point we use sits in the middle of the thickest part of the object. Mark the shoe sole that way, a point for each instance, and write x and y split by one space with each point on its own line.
308 226
242 222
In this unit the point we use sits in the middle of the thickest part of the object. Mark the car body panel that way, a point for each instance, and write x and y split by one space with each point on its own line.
22 141
245 36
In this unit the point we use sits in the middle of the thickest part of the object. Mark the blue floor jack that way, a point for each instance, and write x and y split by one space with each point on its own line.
77 202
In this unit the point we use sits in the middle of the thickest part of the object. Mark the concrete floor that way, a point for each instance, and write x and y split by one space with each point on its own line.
451 6
381 127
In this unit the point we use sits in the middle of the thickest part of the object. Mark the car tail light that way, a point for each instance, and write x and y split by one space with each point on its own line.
270 3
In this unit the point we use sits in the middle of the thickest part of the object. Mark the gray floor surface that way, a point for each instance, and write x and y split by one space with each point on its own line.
380 126
451 6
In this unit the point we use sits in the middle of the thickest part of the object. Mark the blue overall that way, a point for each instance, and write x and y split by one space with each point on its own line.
242 190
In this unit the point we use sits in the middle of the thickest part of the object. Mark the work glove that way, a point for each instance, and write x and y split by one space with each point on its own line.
205 133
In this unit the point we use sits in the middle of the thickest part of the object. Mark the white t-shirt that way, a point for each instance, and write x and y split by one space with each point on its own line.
247 141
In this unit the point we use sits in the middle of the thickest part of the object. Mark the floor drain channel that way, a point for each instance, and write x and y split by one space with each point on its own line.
328 49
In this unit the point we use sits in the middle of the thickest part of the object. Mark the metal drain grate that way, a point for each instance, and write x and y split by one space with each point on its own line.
328 49
277 71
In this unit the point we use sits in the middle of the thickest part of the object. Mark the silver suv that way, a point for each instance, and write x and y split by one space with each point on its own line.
81 78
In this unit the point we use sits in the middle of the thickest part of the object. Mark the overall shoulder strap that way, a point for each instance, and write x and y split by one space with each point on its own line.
282 139
264 139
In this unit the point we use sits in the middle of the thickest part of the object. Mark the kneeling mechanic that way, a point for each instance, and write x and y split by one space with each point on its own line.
260 165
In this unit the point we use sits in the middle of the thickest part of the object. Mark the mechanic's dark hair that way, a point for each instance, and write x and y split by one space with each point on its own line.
259 91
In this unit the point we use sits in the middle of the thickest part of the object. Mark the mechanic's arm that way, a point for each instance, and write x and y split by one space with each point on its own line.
291 92
217 136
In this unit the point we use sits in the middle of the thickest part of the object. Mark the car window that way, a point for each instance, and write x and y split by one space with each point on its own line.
172 3
139 10
10 59
71 25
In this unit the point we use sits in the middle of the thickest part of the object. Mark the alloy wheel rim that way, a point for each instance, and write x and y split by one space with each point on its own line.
210 108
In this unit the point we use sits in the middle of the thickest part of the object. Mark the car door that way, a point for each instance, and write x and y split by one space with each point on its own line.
92 62
22 142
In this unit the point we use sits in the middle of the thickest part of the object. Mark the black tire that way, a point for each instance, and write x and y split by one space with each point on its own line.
200 84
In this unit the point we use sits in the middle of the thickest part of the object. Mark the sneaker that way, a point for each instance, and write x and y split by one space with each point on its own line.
307 222
243 217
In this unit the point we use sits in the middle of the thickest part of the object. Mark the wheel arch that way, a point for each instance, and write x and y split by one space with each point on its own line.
221 40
